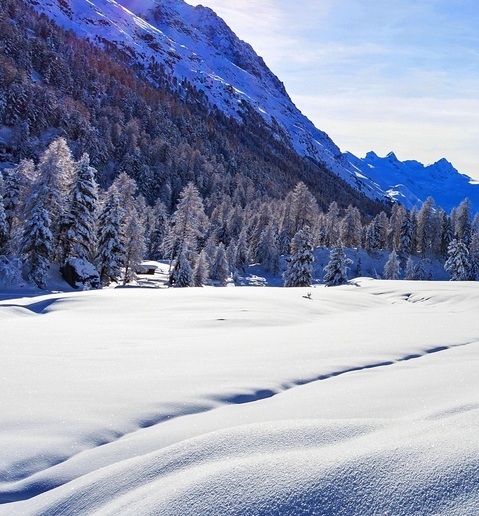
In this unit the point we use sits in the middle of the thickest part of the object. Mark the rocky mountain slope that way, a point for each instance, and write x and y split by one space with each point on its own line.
193 43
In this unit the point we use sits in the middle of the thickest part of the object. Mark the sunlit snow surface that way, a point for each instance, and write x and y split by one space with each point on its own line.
353 400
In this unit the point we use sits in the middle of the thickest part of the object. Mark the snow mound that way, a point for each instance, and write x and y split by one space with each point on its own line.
302 468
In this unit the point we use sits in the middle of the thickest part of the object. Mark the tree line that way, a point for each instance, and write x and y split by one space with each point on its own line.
53 210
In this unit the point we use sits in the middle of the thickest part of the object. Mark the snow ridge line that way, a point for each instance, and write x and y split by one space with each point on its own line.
267 393
26 489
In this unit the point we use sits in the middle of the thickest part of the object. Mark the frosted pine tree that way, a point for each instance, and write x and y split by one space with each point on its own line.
241 253
458 262
201 270
220 269
299 271
410 269
419 271
187 226
79 234
392 268
336 272
16 189
350 227
37 246
268 253
3 223
135 247
405 238
55 178
110 252
181 274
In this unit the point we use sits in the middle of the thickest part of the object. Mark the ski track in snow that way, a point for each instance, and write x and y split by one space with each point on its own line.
37 488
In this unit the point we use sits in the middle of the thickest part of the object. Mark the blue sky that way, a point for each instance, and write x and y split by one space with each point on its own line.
378 75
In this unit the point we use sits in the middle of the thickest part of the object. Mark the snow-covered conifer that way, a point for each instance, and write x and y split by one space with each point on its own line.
398 215
331 229
304 208
37 246
392 267
428 229
3 223
16 187
299 271
463 221
410 269
405 239
187 226
80 219
419 271
336 271
135 247
241 259
350 227
220 269
267 252
458 262
110 252
181 274
10 270
200 270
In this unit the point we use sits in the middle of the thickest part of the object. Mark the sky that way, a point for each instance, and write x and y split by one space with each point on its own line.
395 75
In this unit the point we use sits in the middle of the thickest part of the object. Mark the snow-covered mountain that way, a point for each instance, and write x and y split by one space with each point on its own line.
193 43
410 182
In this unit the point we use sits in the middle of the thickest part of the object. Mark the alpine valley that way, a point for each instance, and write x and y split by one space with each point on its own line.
191 47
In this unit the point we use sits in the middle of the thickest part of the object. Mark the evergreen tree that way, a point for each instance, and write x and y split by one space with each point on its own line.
410 269
10 270
304 208
201 270
135 247
3 223
458 262
463 228
268 253
111 252
79 223
428 229
55 177
336 271
16 188
405 238
331 229
392 268
241 255
37 246
350 227
220 270
181 274
419 271
299 271
187 226
398 216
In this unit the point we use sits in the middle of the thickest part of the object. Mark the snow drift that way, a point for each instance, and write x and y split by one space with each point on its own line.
360 399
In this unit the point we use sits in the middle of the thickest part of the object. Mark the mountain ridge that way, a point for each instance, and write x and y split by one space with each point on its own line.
195 44
195 51
411 182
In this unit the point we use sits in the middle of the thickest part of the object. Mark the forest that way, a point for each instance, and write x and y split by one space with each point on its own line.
111 164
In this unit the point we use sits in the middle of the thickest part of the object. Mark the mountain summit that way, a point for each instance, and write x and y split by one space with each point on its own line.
194 44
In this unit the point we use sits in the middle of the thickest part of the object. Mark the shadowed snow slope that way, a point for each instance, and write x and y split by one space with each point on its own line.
362 399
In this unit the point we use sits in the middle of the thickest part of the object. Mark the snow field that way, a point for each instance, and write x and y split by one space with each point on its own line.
360 400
